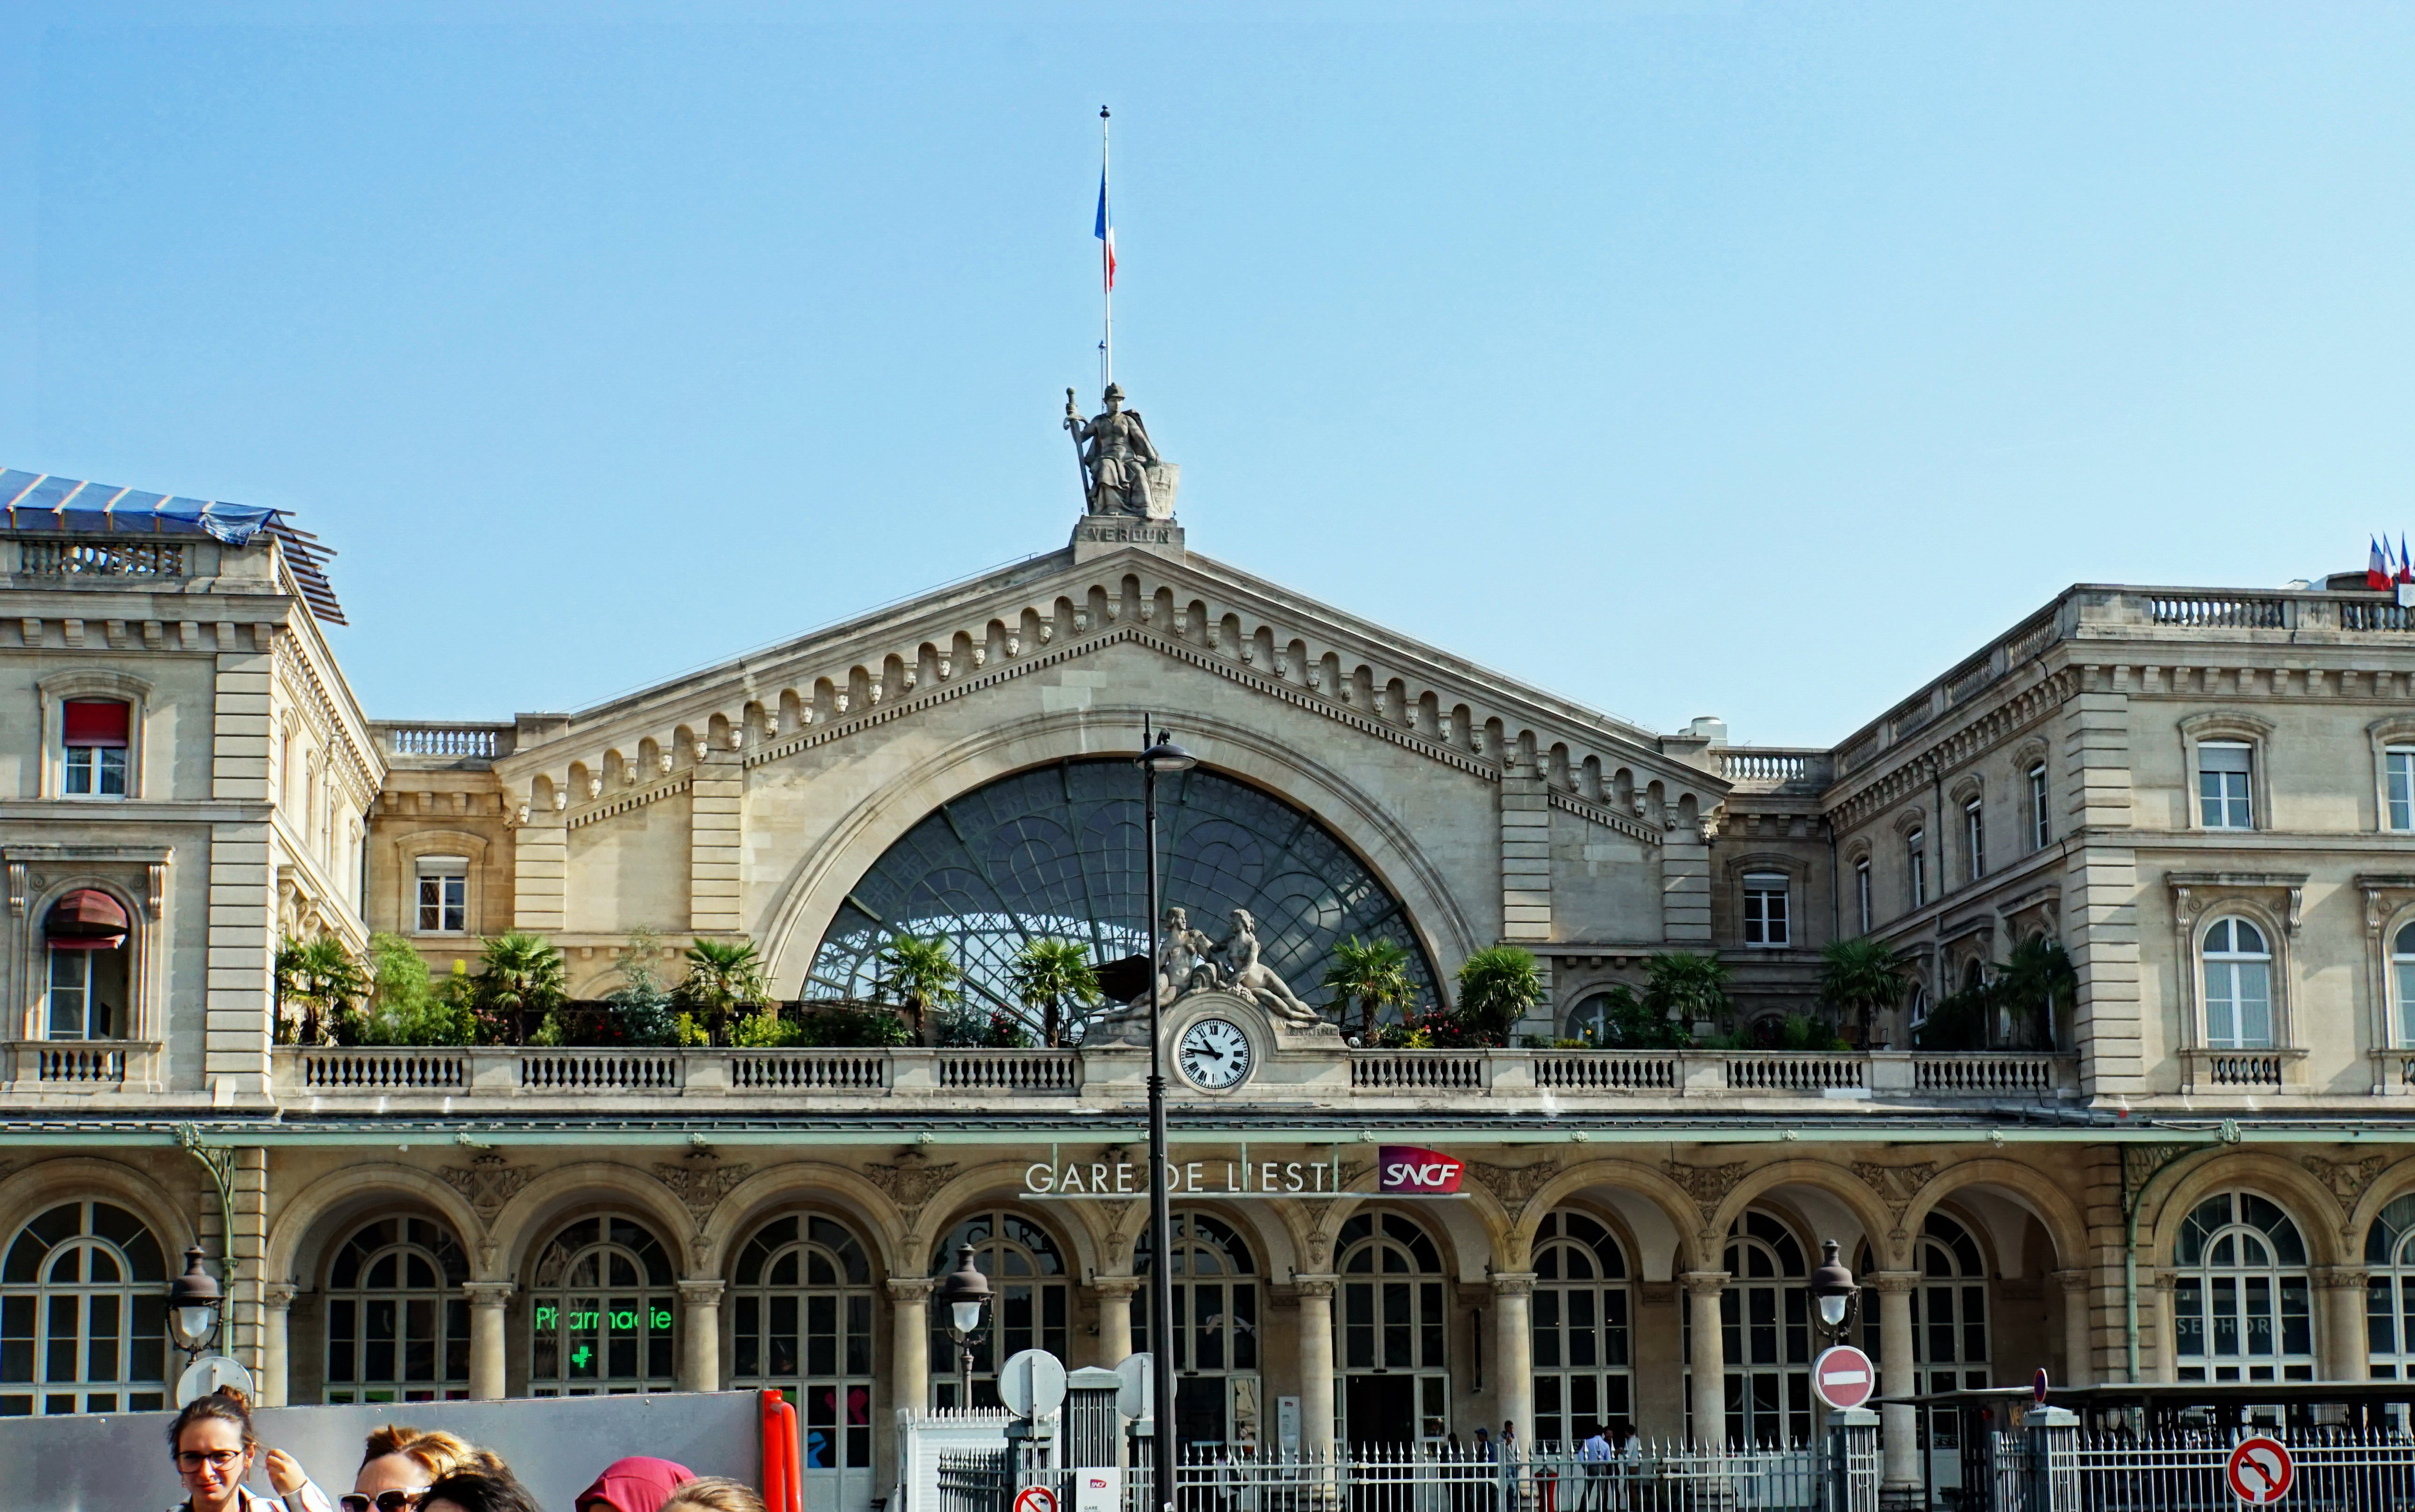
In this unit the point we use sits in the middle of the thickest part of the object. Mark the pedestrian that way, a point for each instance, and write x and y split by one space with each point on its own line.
636 1484
714 1493
213 1449
1488 1456
1595 1455
471 1491
399 1462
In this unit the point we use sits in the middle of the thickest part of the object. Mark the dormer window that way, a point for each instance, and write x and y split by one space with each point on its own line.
97 741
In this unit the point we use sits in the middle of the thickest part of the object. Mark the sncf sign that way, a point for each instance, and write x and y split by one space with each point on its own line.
1406 1168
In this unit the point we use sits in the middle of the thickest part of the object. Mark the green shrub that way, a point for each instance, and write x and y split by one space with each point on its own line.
852 1027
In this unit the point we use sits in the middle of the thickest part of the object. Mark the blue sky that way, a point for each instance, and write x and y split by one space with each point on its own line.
1681 358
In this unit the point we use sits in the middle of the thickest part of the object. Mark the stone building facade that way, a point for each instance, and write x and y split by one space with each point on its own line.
2207 796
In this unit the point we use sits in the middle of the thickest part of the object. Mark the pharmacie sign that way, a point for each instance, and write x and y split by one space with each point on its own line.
1400 1170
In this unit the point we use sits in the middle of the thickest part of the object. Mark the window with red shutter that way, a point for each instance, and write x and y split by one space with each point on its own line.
95 742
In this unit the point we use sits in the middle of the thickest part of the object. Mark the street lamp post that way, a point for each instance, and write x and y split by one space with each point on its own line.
1159 755
965 1295
1835 1293
193 1303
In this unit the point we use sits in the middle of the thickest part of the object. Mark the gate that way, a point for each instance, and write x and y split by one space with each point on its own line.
2183 1471
976 1482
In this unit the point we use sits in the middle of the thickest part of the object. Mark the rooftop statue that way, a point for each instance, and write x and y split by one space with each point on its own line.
1122 471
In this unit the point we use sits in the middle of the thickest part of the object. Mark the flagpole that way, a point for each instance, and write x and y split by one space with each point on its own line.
1106 265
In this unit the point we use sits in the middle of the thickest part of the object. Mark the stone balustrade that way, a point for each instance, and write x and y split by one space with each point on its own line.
405 1080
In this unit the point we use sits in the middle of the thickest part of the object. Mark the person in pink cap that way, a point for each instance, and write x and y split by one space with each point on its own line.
633 1485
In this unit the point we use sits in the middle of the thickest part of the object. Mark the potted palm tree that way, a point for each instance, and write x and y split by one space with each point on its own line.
1496 986
919 975
1860 978
1370 976
324 978
1055 983
725 980
520 974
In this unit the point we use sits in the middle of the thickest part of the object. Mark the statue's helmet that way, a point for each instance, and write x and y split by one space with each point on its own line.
1114 393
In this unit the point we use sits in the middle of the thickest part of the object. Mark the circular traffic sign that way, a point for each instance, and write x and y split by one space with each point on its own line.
1844 1376
2038 1386
1035 1499
2261 1470
1031 1384
208 1373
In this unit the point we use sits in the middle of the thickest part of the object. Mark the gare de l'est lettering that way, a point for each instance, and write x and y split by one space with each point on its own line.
2112 1079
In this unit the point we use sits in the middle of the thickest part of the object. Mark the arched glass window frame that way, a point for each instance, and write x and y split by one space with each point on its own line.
362 1319
1583 1327
1223 1352
2398 967
2389 1290
1376 1250
648 1331
2214 1279
2228 968
1042 1320
807 1278
1766 1342
1054 852
85 1344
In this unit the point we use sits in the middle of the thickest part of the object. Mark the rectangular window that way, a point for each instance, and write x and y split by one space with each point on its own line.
87 994
444 894
1915 868
97 741
2041 818
2398 768
1974 837
2238 1005
1764 909
2222 774
1862 891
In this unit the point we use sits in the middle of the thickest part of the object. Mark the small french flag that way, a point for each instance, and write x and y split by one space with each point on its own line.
1106 234
2376 565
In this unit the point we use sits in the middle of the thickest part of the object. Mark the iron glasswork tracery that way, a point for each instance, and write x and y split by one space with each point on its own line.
1055 853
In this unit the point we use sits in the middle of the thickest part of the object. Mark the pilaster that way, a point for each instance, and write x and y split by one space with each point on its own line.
1526 859
716 842
540 869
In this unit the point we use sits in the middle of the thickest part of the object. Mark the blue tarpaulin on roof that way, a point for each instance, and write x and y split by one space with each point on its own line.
37 501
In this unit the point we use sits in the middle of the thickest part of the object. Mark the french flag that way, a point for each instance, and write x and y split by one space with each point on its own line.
2405 573
2377 566
1106 234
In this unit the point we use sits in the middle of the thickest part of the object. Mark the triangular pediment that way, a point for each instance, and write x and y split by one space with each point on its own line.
840 683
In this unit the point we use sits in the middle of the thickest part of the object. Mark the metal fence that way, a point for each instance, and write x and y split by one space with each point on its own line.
980 1482
1440 1478
2337 1472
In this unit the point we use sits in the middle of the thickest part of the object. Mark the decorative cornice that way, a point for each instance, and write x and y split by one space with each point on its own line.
2006 721
623 801
1607 818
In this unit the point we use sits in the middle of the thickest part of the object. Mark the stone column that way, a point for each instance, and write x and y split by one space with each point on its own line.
1316 1366
276 1363
2343 1348
910 1343
2079 1355
2156 1290
1115 1295
488 1302
699 1353
1513 1351
1899 1427
1703 1289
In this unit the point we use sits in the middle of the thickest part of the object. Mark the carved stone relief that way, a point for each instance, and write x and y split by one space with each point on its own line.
486 1183
1514 1185
1708 1184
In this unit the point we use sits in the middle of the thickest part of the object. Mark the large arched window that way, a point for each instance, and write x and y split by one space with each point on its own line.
2240 1307
1950 1338
2402 980
88 968
2389 1290
1055 853
602 1312
1579 1320
83 1314
801 1324
1765 1334
1027 1274
398 1325
1394 1320
2237 986
1215 1285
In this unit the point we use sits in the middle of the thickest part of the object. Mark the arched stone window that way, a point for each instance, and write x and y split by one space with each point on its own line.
1216 1344
1581 1320
801 1323
2238 966
1950 1328
2389 1290
1028 1272
83 1314
398 1325
2402 984
602 1310
1394 1320
89 964
2239 1293
1765 1334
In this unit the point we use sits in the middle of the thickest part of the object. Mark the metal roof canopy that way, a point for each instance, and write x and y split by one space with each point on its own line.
2170 1395
37 501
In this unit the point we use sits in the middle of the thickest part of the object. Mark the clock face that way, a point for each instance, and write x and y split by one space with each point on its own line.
1213 1053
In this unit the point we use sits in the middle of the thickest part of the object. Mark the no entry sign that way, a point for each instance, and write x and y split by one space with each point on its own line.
2261 1470
1035 1499
1844 1376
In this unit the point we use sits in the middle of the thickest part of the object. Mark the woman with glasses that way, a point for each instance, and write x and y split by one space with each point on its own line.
398 1464
212 1444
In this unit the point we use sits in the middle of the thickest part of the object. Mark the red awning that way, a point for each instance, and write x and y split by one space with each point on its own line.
97 721
86 919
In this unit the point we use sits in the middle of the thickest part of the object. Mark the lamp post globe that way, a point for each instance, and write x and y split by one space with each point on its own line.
965 1295
1834 1290
193 1304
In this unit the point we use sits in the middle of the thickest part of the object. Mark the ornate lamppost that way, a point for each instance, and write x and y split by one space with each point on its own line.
966 1296
1835 1293
193 1304
1159 757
